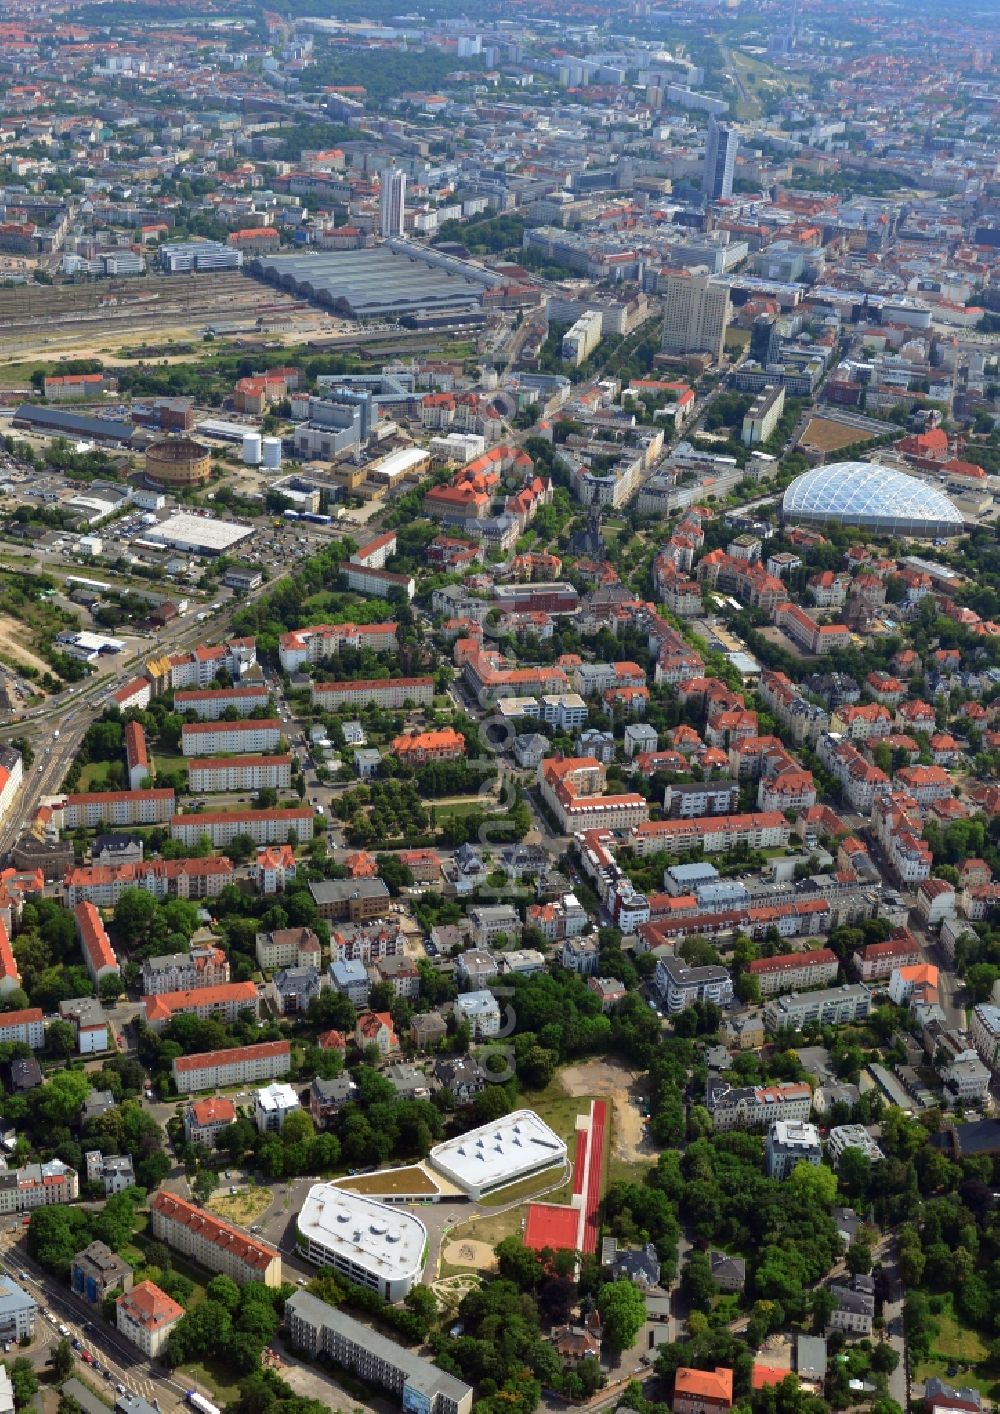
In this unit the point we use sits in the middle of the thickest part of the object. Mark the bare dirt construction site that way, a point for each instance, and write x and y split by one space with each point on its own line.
824 435
610 1080
13 648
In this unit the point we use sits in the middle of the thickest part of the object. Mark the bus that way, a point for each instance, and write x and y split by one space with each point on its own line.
200 1403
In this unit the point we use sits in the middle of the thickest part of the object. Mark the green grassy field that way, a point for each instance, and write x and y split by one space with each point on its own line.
214 1376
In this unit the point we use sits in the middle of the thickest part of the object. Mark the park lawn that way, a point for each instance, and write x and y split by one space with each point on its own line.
953 1341
215 1377
95 775
242 1208
163 761
445 810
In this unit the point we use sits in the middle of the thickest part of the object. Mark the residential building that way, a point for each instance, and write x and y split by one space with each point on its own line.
376 1028
37 1186
350 977
274 868
223 826
113 1171
89 810
756 1106
854 1311
146 1316
475 968
287 947
95 945
26 1026
185 971
572 788
481 1012
831 1006
851 1136
241 1065
679 986
18 1310
328 1097
878 961
322 641
788 1143
257 736
210 704
236 773
272 1105
204 1120
231 1001
316 1328
86 1016
985 1033
379 692
492 921
103 884
96 1271
212 1242
787 972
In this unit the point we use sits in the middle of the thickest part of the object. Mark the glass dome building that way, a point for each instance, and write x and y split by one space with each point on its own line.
876 497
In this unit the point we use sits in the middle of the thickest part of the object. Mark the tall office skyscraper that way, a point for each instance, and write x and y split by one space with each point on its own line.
393 201
695 313
720 160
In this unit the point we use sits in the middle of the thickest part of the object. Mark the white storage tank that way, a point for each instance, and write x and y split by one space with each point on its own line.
251 448
271 447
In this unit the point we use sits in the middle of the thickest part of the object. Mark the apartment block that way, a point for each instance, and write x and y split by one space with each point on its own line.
572 788
209 704
418 1385
377 692
234 773
809 635
985 1033
832 1006
204 1120
789 1143
95 945
790 971
679 986
713 833
89 809
104 884
223 826
287 947
322 641
185 971
146 1316
211 1242
259 736
230 1001
26 1026
749 1107
241 1065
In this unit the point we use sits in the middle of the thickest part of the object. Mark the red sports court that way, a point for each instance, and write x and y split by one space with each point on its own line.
574 1228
